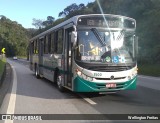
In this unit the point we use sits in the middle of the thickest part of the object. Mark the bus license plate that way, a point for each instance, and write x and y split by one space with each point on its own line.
111 85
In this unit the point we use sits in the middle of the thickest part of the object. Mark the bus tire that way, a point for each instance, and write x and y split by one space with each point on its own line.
59 83
36 72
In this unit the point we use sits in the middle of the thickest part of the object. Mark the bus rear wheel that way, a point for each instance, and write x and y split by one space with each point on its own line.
59 83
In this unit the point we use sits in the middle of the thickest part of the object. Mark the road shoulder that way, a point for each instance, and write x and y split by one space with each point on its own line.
149 82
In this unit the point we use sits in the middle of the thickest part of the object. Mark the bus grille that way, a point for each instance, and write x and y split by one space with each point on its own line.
110 68
118 78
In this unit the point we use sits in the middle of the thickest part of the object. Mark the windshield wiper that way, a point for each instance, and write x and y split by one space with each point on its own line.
108 53
121 34
95 31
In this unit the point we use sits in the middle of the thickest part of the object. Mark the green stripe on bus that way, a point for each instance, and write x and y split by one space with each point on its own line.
81 85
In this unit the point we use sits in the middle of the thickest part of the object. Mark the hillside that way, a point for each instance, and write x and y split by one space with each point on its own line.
13 37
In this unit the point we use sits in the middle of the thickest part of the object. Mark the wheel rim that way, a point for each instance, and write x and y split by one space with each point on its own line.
36 71
59 82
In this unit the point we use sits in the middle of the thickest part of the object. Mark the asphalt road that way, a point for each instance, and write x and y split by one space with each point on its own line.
29 95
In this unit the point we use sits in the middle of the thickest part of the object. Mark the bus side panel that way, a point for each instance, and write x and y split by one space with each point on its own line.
48 67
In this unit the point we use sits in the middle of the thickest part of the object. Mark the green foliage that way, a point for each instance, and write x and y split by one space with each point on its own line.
13 37
149 69
2 65
71 9
40 24
49 21
36 32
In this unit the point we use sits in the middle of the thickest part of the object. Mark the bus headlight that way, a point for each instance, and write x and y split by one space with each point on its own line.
84 76
78 72
89 78
134 73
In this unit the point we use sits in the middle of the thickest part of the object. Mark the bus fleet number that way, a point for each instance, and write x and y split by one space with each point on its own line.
97 74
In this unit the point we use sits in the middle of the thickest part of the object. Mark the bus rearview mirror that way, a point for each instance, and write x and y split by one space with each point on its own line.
74 38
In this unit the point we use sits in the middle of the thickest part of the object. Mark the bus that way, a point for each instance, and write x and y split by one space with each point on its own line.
88 53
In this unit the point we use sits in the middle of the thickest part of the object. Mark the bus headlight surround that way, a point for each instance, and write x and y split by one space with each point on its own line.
129 77
89 78
84 76
80 74
134 73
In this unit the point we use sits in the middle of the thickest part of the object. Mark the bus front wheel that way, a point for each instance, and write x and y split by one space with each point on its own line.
59 83
36 72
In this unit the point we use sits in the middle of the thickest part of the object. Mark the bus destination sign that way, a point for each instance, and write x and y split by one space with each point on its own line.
110 22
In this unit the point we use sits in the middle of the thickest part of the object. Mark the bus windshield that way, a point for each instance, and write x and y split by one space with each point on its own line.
112 47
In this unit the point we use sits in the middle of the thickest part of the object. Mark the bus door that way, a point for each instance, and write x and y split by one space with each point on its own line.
68 58
41 52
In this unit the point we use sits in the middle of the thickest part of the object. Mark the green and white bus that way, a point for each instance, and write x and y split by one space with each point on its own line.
88 53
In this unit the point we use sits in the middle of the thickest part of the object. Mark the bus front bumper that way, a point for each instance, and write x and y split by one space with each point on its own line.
81 85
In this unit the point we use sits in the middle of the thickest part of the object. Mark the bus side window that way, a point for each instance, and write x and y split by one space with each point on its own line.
60 42
56 42
46 44
52 42
32 47
35 45
49 43
44 48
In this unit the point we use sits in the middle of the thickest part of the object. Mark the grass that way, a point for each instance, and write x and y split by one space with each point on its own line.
2 66
149 69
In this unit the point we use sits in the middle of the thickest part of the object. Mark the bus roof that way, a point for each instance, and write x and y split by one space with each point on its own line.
74 21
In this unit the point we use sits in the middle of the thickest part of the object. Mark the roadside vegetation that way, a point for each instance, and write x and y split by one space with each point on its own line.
13 37
2 66
149 69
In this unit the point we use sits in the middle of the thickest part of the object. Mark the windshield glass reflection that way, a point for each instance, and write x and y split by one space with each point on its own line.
118 48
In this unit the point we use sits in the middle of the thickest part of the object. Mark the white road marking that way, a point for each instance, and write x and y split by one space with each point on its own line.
88 100
12 101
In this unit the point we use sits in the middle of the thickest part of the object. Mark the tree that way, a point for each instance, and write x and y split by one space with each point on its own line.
49 21
71 8
13 37
37 23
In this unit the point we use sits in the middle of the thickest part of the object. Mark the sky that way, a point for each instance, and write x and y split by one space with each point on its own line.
23 11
